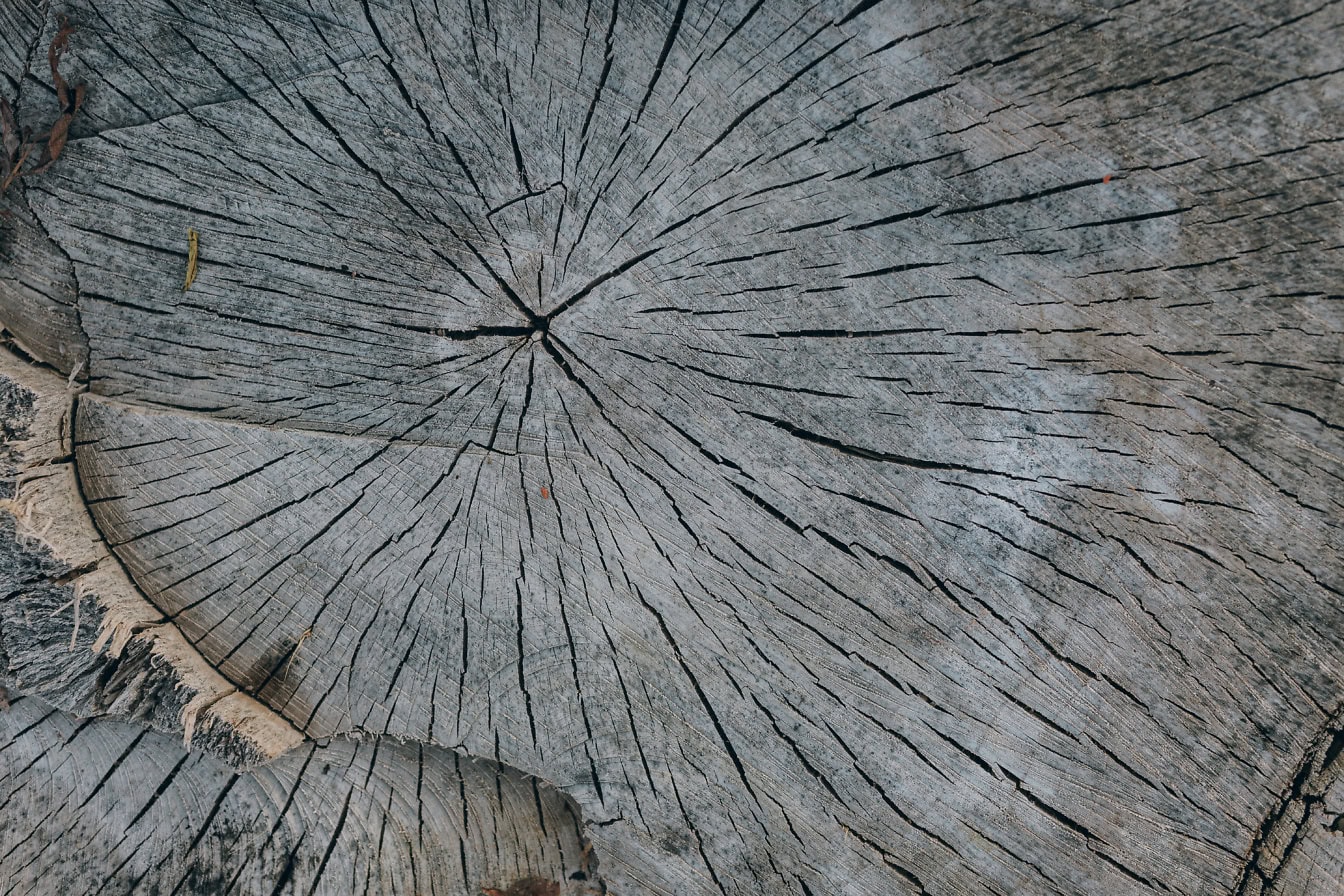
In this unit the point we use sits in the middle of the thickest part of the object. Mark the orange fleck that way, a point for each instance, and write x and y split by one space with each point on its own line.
545 492
1106 179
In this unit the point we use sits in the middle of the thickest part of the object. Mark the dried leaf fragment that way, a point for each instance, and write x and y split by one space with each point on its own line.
193 251
9 130
59 44
16 150
13 173
60 132
18 144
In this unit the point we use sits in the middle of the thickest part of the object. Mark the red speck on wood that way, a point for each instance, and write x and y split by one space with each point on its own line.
1106 179
545 492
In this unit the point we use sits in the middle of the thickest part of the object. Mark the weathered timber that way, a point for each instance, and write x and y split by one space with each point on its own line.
852 447
303 823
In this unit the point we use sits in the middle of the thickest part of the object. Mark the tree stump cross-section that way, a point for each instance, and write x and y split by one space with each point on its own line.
842 447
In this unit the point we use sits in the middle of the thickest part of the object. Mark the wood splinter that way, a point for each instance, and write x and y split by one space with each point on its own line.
308 633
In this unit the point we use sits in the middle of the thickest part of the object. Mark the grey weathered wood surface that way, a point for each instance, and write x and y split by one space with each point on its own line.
306 818
862 447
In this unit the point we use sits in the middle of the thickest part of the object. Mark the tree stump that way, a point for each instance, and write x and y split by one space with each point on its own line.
679 448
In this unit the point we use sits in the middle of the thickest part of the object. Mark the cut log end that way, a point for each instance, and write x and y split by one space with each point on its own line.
881 446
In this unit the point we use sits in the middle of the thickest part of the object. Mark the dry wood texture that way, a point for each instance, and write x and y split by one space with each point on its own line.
842 447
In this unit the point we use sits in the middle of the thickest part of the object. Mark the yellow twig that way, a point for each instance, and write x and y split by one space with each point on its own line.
193 249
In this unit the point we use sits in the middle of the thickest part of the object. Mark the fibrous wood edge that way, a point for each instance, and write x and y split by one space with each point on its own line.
49 514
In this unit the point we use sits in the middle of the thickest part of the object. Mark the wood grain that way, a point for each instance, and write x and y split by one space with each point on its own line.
329 818
855 447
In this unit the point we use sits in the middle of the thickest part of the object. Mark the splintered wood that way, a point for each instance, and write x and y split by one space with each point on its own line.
49 520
